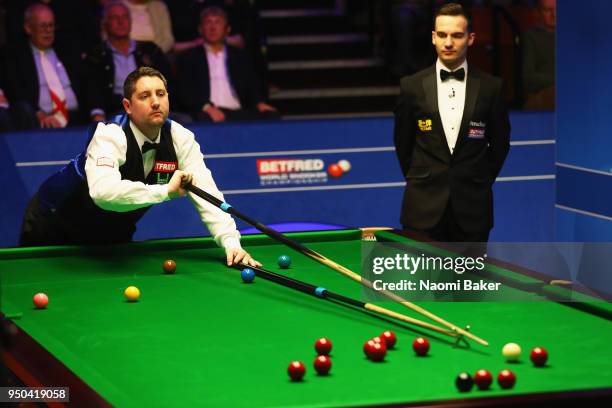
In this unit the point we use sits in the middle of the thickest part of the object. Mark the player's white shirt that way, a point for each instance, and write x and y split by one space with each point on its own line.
107 152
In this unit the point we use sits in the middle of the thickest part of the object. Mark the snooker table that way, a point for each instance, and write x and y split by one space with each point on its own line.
202 337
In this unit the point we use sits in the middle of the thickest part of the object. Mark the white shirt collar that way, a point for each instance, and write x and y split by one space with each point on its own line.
209 50
440 66
141 138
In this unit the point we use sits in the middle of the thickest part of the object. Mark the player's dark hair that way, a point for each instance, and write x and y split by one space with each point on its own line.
129 86
454 9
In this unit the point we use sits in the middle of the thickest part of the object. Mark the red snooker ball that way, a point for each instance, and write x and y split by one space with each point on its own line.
296 370
389 338
483 379
539 356
367 346
420 346
323 346
40 300
334 170
506 379
374 350
378 351
322 365
169 266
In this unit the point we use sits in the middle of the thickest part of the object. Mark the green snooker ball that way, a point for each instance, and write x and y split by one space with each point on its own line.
284 261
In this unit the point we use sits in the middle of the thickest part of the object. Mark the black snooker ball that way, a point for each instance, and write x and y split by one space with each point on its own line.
464 382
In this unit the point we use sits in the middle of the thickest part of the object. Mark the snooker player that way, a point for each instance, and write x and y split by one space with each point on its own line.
128 166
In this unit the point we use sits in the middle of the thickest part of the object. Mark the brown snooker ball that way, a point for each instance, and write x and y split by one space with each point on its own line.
169 266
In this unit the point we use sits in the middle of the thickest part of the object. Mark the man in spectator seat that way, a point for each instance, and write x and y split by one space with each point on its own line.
43 84
217 82
109 63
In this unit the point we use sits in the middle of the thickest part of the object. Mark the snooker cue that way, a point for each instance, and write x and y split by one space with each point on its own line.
326 294
325 261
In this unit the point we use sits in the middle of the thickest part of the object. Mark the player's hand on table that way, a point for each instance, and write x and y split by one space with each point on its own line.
239 255
177 182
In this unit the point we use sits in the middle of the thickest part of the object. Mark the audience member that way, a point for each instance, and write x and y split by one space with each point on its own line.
109 63
43 84
241 15
245 29
539 59
218 81
151 22
76 28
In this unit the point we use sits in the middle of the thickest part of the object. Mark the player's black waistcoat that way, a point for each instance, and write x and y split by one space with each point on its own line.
82 218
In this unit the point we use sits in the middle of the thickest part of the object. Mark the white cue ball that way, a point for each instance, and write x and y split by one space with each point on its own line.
511 352
345 165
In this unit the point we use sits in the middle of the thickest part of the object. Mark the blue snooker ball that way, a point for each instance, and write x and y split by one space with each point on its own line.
248 275
284 261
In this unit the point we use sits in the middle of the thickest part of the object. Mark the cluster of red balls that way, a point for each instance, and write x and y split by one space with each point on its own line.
322 363
376 348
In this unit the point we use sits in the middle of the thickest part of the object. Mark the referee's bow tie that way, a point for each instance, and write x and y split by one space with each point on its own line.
459 74
149 146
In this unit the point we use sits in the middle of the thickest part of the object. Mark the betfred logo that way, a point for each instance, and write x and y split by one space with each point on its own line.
278 172
164 167
280 166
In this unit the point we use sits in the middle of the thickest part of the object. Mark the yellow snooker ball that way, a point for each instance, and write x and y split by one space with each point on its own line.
511 352
132 293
